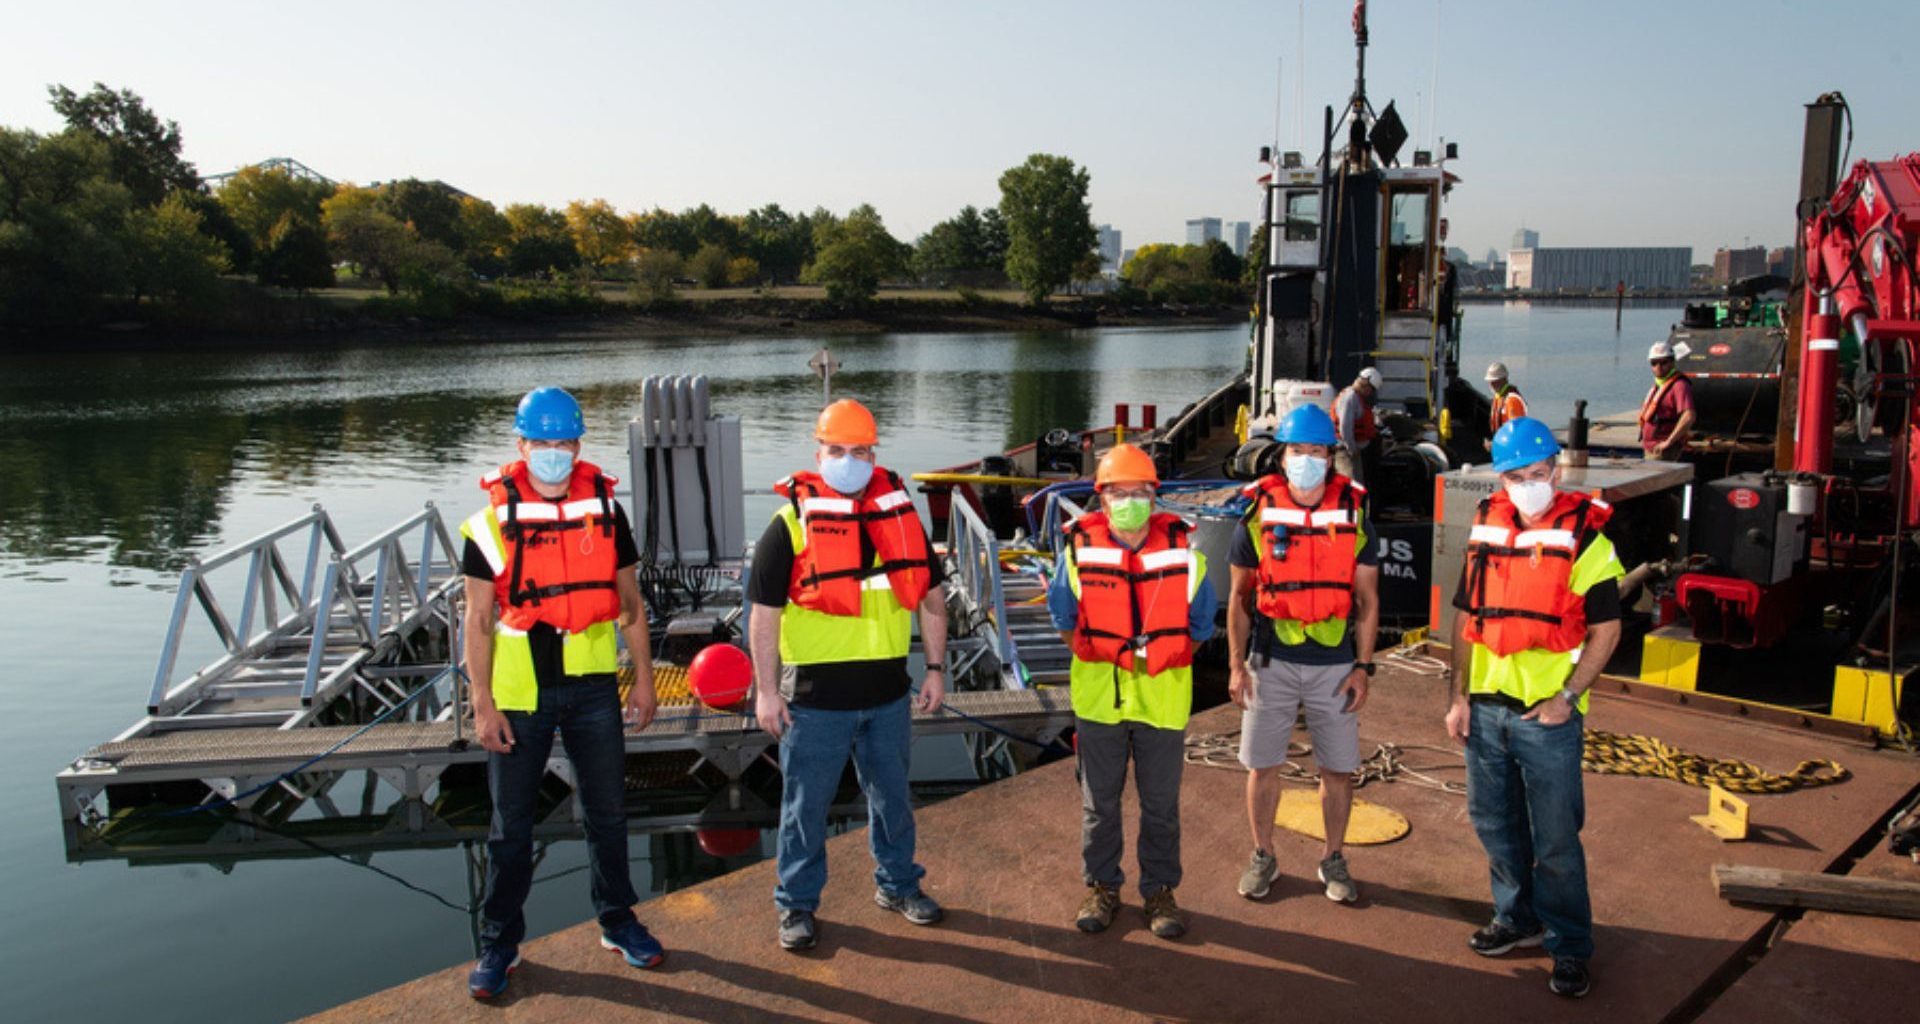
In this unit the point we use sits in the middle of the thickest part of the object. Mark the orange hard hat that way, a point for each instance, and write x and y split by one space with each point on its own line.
846 422
1124 463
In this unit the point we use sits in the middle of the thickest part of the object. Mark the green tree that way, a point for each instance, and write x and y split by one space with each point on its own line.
360 232
743 270
538 241
217 224
296 255
962 250
485 236
710 228
1222 264
430 208
993 239
780 242
258 199
167 255
662 231
856 255
1049 227
600 236
144 151
62 218
709 266
653 273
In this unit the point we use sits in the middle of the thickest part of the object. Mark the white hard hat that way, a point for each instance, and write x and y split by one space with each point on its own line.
1497 371
1371 376
1660 350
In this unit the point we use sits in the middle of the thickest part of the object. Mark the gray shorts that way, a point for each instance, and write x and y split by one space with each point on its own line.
1281 690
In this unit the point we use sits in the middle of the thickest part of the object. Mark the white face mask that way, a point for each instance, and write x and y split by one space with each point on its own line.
1531 497
1306 471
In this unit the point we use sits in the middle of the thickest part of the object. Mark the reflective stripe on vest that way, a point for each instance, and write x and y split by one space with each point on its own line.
1132 604
883 628
1519 578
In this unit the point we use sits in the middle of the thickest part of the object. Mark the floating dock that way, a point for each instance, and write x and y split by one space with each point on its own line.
1004 860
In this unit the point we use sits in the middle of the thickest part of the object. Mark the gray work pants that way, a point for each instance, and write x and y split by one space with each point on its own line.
1158 756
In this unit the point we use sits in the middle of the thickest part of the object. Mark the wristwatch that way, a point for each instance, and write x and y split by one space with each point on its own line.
934 666
1366 666
1571 696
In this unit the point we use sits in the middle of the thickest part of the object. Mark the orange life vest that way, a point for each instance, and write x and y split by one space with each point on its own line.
1364 430
1133 602
559 555
1519 577
827 573
1507 405
1307 553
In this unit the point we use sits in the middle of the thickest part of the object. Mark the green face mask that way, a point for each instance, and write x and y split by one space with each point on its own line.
1129 513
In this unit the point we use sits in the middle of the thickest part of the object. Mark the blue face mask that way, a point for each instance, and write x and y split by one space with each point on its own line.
1306 471
550 466
846 474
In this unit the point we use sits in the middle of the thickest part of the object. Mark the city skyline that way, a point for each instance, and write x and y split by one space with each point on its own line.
917 108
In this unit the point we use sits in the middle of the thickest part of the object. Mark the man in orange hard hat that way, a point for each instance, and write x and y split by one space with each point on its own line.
1132 600
835 581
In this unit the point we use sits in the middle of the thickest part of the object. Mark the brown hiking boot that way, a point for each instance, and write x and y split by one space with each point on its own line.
1097 910
1164 917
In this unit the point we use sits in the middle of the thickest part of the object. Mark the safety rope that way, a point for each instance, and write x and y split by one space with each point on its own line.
1609 753
1387 763
1604 753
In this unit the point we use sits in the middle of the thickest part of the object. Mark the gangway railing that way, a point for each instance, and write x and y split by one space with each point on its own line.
976 559
303 639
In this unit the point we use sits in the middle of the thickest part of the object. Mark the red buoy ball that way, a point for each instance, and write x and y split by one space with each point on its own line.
728 842
720 676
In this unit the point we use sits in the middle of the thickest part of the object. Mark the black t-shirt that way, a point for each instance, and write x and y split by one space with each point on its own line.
545 640
833 686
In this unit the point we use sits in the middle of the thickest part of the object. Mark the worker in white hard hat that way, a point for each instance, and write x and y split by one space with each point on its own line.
1666 415
1353 423
1507 403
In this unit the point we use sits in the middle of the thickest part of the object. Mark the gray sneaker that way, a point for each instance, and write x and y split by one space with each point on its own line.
1340 887
918 907
796 929
1258 878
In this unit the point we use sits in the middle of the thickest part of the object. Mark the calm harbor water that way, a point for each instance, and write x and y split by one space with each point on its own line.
122 465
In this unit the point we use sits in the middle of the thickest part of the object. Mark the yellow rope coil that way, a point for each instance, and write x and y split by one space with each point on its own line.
1609 753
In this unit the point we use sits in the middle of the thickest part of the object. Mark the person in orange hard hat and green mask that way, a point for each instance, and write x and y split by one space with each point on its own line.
1132 600
835 582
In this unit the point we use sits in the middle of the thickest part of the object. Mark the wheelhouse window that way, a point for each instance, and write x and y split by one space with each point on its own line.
1303 216
1409 269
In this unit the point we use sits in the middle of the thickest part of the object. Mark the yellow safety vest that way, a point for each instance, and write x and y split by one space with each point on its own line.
1163 700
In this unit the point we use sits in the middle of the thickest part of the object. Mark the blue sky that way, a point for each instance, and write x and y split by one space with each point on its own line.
1628 122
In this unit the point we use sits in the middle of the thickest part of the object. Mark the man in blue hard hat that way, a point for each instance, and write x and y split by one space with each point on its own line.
1537 615
1300 629
550 582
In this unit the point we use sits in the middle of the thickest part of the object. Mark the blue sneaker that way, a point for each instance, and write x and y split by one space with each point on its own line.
634 942
489 977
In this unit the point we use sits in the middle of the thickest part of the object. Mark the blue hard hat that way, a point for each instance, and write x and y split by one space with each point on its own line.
549 414
1523 442
1308 424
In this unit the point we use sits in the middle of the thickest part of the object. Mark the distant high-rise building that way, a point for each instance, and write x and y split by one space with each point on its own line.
1126 257
1525 239
1493 257
1237 233
1735 264
1109 248
1203 230
1780 262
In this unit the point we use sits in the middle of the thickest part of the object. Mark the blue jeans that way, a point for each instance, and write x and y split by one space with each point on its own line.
813 756
1524 796
588 716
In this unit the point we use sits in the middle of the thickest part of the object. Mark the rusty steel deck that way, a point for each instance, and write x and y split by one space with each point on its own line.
1005 862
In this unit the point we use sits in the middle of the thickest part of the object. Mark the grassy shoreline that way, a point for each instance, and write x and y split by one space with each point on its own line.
350 314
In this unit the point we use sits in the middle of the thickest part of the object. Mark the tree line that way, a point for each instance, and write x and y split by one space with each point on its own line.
106 217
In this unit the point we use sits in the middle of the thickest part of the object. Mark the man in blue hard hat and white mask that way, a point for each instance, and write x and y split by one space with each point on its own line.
1537 615
1300 628
550 581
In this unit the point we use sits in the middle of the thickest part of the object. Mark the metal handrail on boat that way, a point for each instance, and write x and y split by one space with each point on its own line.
976 559
1197 421
403 595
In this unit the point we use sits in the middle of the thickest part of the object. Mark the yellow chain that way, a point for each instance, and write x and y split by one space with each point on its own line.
1609 753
